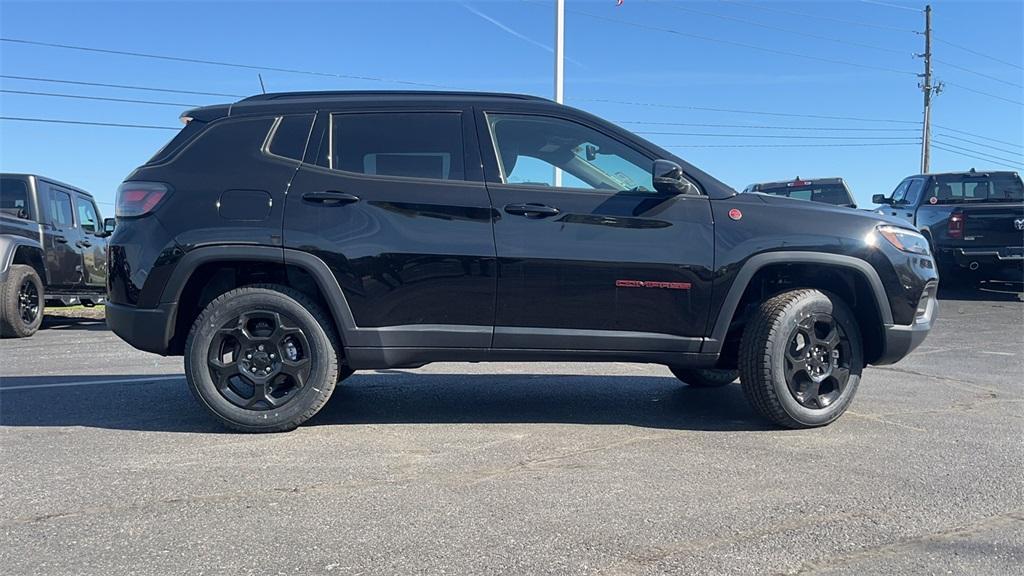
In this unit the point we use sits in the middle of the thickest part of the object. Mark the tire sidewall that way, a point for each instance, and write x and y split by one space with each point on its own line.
319 385
817 302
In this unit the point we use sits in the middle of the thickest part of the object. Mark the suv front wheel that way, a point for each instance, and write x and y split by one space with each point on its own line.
801 359
262 358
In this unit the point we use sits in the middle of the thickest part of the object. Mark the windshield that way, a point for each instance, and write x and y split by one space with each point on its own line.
955 189
826 193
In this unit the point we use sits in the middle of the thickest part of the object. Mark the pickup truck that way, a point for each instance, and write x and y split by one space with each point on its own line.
52 248
832 191
974 221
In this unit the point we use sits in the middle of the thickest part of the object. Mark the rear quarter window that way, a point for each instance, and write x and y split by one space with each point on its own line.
14 198
183 137
289 136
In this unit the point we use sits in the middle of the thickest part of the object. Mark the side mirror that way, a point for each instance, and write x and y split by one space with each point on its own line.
108 226
880 199
669 179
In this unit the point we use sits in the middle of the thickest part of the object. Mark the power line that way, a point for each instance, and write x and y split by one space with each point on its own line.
120 86
762 6
764 127
976 135
83 123
962 139
976 73
217 62
736 111
780 136
972 151
788 145
739 44
976 53
887 4
940 147
781 29
989 94
103 98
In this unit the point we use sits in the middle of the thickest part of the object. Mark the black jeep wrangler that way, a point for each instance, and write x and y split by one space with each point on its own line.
53 249
281 242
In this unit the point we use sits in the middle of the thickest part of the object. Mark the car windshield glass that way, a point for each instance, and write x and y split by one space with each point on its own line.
826 193
955 189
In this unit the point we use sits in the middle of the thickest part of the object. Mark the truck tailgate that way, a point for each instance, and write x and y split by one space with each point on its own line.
994 225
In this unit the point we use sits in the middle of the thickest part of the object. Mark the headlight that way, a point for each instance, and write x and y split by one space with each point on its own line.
904 239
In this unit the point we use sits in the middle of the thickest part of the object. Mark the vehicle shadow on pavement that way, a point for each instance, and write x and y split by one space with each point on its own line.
397 397
66 323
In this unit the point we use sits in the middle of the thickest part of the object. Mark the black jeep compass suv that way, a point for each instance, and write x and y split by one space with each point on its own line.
281 242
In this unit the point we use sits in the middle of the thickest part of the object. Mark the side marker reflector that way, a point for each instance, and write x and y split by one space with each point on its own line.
735 214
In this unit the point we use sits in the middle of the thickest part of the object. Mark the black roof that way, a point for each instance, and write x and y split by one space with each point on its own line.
971 172
26 176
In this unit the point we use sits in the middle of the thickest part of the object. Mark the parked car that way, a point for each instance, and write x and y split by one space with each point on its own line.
974 221
825 190
281 242
52 248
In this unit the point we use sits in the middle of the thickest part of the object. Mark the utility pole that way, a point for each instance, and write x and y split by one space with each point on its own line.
559 63
926 87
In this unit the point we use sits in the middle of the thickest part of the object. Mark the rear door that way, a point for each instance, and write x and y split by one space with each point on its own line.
590 256
392 200
92 246
61 237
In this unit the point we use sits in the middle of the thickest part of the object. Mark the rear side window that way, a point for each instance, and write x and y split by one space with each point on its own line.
290 135
60 209
14 199
406 144
955 189
826 193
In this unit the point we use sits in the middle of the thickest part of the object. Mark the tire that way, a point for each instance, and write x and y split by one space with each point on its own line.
705 378
256 328
811 390
20 294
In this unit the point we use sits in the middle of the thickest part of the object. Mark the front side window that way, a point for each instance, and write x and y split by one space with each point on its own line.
60 209
86 214
531 148
14 198
900 192
913 192
404 144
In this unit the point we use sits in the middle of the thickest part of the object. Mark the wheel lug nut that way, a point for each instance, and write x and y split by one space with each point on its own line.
249 356
272 356
261 347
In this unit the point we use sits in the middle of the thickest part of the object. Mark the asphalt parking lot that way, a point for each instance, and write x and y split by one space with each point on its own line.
109 467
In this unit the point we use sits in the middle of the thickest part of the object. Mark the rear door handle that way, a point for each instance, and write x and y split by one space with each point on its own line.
330 198
531 210
85 244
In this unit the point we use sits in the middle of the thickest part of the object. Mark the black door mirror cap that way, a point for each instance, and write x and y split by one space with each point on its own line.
881 199
669 179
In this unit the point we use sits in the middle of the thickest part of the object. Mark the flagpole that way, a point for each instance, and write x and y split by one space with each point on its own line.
559 63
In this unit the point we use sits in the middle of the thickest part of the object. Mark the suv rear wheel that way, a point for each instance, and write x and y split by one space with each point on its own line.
21 302
262 358
801 359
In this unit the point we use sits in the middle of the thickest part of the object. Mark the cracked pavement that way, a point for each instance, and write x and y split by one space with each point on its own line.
517 468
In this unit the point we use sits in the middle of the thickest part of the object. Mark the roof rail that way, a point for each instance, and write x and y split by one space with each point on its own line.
356 93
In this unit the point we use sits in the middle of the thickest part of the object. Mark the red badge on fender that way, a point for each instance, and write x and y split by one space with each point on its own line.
735 214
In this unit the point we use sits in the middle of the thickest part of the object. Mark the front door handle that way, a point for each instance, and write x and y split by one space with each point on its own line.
84 244
531 210
60 239
330 198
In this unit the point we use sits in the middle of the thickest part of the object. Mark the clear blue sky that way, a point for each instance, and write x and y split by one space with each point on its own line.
615 53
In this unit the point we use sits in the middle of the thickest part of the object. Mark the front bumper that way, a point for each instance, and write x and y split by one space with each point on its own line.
148 329
898 341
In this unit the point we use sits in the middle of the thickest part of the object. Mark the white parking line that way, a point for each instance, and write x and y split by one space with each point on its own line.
94 383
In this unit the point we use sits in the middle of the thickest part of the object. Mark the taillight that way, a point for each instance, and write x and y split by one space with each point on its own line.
955 228
139 198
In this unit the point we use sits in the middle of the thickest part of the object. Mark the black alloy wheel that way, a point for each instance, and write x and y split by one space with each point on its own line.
260 360
817 361
28 302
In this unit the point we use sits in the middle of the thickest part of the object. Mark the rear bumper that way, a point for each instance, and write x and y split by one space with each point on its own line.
899 340
974 258
148 329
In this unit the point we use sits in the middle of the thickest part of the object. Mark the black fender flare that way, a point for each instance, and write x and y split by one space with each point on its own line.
759 261
341 313
9 245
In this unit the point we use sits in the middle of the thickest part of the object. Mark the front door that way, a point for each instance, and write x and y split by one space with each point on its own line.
393 201
590 256
92 246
